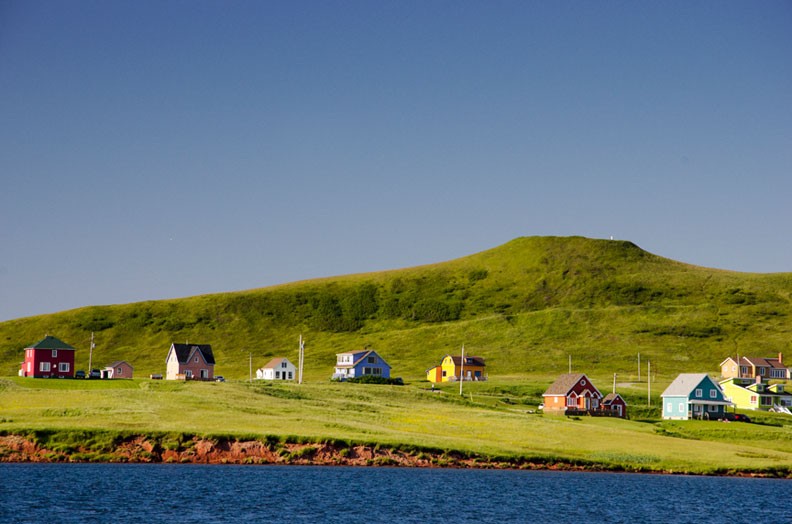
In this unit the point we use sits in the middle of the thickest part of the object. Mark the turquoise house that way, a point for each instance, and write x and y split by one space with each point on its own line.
694 396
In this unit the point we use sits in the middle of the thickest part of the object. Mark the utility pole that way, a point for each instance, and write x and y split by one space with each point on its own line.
90 355
462 371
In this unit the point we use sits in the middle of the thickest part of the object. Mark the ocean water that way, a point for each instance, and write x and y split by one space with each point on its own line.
143 493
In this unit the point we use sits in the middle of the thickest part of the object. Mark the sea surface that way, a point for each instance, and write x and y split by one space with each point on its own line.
143 493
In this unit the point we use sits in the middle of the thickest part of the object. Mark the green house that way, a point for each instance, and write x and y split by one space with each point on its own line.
755 394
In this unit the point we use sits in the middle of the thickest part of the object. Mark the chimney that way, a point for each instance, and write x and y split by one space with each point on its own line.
780 358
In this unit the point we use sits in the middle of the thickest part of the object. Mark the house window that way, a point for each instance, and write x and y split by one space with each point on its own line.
444 372
681 407
766 401
713 393
44 366
571 402
753 399
290 375
699 393
196 359
54 353
63 367
119 371
712 408
204 373
372 360
187 373
583 382
277 374
283 364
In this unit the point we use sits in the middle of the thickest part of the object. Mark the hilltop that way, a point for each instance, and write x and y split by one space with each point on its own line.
525 306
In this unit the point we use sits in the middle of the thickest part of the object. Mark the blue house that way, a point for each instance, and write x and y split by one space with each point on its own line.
694 396
356 364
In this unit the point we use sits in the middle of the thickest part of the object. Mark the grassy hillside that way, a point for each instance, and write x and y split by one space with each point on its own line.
524 306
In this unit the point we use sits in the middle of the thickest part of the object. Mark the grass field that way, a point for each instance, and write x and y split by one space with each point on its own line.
491 419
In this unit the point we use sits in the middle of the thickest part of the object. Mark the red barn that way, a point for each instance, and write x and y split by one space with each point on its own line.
48 358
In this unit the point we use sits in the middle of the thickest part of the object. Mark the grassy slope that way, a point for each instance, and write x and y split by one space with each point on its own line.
409 415
525 306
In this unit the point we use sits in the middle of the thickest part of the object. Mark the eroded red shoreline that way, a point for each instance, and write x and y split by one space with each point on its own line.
202 450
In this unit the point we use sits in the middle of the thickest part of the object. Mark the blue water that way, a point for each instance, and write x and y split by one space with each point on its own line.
64 493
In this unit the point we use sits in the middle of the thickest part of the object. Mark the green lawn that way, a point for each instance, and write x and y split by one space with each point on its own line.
491 419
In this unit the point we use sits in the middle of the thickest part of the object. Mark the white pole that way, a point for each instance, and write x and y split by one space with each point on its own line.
90 355
462 370
301 360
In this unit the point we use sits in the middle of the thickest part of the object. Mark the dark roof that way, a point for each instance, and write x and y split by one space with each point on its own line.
49 342
469 361
183 352
360 355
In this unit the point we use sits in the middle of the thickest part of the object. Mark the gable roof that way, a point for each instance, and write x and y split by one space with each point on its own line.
49 342
684 384
275 362
758 362
469 361
566 382
610 397
183 352
358 356
118 363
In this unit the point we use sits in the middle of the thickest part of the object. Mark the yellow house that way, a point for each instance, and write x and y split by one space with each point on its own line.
452 367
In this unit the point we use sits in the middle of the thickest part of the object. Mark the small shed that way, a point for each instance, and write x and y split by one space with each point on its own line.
118 369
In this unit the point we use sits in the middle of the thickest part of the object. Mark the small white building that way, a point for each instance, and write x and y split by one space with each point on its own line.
279 368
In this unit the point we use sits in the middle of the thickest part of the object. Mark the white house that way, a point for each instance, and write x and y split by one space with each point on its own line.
279 368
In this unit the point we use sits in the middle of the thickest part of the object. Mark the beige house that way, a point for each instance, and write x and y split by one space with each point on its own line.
756 367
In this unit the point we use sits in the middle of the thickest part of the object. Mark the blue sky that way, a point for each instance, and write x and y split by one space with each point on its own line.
159 149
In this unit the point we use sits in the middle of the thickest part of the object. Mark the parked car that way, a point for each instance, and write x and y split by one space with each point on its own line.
79 374
95 373
220 378
156 376
739 417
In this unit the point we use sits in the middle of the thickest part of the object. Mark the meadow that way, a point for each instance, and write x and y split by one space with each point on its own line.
496 419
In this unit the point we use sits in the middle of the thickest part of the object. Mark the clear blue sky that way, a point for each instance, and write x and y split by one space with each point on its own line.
158 149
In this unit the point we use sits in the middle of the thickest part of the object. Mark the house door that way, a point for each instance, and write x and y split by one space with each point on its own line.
588 403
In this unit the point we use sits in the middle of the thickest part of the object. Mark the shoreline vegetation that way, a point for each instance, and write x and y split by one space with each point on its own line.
170 448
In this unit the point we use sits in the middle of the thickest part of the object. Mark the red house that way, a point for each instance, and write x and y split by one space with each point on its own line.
571 392
615 403
48 358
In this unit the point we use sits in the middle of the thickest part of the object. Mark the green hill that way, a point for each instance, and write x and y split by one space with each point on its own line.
525 306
